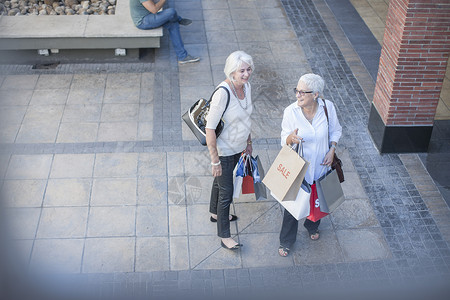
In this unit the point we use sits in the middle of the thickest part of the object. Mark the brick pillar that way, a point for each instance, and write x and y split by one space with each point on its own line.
412 67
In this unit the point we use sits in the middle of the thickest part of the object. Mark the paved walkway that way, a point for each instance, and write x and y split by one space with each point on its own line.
106 191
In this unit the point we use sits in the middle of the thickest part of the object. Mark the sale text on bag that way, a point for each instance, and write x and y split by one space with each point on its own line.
283 170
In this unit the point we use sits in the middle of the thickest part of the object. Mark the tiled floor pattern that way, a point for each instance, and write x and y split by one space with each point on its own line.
87 193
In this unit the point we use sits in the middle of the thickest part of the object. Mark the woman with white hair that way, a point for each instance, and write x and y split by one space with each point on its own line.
235 138
306 121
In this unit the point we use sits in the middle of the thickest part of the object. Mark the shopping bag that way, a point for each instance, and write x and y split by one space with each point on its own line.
315 213
237 186
329 191
239 173
239 169
286 174
247 185
258 174
300 207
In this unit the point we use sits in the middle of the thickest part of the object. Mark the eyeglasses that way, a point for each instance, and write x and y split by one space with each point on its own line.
302 93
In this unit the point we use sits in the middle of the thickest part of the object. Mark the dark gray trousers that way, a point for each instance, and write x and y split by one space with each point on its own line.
288 234
222 194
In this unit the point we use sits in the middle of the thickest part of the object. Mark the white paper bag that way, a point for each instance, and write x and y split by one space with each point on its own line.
299 208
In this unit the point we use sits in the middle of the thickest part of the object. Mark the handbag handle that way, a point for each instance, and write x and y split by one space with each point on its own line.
299 147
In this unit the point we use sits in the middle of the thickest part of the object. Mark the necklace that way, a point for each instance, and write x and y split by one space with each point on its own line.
313 114
245 96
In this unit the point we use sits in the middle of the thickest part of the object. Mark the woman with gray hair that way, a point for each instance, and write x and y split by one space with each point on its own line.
306 121
235 138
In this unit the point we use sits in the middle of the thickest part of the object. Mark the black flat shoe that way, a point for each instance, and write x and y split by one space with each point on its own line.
235 247
233 218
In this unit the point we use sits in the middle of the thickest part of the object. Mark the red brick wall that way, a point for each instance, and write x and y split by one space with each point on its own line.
413 60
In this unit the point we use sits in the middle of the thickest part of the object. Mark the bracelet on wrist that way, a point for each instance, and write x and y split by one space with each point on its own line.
333 146
215 164
249 142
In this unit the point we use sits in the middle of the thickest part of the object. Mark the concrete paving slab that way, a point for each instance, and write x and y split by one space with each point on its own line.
152 254
146 114
57 256
261 250
38 132
110 131
14 82
109 255
199 223
179 255
62 222
43 114
152 191
177 221
88 81
354 213
22 222
108 221
72 166
12 115
198 189
197 163
48 81
152 221
121 95
23 193
176 191
29 167
113 192
8 133
15 97
120 112
206 253
259 217
49 97
145 131
116 164
152 164
67 192
81 133
80 96
374 246
152 227
325 250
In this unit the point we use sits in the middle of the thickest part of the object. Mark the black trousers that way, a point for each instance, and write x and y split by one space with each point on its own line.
288 234
222 194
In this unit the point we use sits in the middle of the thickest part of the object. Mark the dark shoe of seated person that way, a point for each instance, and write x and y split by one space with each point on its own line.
185 22
188 59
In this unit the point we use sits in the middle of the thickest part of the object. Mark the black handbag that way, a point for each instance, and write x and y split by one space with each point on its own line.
195 117
337 163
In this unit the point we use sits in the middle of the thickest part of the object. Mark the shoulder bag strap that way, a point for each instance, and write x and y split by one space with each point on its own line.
228 98
326 111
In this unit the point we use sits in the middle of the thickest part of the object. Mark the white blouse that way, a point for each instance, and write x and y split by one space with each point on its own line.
237 122
316 136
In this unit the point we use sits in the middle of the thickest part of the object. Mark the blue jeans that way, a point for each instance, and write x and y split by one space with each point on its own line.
169 19
222 194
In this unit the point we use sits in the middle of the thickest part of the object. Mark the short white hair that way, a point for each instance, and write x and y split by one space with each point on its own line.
314 82
234 61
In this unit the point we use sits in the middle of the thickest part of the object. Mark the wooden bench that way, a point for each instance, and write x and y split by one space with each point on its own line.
54 32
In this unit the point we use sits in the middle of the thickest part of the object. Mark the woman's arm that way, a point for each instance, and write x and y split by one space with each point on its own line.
335 132
211 141
152 6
